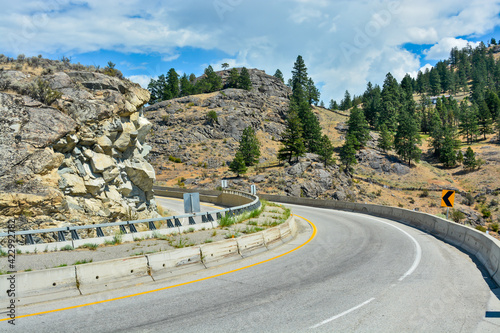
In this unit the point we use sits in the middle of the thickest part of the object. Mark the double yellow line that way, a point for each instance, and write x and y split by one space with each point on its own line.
174 286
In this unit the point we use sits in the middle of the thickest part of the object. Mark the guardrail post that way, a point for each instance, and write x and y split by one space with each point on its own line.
210 218
169 223
177 222
219 216
60 236
151 226
204 219
28 239
99 232
122 229
74 234
132 228
191 220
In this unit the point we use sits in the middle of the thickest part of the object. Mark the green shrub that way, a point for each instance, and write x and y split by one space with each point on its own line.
174 159
494 227
41 91
481 228
90 246
457 215
424 194
486 212
66 248
212 117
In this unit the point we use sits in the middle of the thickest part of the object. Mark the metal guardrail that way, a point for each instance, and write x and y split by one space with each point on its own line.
172 222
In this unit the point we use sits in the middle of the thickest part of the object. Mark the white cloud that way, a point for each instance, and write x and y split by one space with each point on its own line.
442 49
345 43
143 80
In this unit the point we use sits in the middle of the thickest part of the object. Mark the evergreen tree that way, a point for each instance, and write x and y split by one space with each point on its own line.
333 105
493 102
238 164
468 121
497 127
385 141
299 74
234 78
322 104
493 41
326 150
484 119
187 87
311 128
225 66
279 75
157 89
358 127
372 104
391 103
249 147
460 157
312 92
245 82
209 82
449 146
291 138
173 84
346 103
435 82
470 162
348 153
407 138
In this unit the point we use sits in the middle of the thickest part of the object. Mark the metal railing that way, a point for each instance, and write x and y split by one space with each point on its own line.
172 222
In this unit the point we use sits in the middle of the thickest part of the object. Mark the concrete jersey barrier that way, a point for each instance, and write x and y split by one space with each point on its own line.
483 246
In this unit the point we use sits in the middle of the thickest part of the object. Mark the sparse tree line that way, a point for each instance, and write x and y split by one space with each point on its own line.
392 111
172 85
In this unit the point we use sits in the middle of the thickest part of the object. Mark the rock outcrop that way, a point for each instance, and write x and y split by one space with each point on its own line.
73 149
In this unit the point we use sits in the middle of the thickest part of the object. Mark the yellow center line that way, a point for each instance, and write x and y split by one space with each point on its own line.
177 285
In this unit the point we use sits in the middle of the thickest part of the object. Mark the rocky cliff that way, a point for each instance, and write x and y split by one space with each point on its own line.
73 145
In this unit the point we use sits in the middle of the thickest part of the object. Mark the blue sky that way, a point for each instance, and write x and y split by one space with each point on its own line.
344 43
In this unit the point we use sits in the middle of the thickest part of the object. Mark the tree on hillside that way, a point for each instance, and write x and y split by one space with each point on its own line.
278 74
209 82
322 104
470 162
244 81
172 84
238 164
407 138
333 105
234 78
468 121
249 147
326 150
299 74
313 93
187 88
385 141
157 89
348 153
449 147
358 127
493 41
225 65
346 102
497 127
484 119
291 138
390 104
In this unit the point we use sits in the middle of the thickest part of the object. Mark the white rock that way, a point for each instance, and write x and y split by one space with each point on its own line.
75 183
101 162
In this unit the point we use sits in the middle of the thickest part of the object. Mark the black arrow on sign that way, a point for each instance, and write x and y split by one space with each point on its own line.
446 197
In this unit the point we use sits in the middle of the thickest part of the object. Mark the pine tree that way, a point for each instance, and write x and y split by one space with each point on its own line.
278 74
313 93
299 74
234 78
385 140
326 150
311 128
460 157
358 127
470 162
249 147
333 105
468 121
245 82
449 146
346 103
435 82
484 119
173 83
238 164
348 153
390 104
187 87
291 138
407 138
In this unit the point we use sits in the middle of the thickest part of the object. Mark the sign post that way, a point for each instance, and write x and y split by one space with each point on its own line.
447 200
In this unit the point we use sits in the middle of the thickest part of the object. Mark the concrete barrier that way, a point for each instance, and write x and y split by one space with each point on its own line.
285 232
251 244
220 252
172 263
111 274
484 247
38 286
272 237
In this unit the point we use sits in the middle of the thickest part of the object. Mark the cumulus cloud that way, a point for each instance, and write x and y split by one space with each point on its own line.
442 49
143 80
344 43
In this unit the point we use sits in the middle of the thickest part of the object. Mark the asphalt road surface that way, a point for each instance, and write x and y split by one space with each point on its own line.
357 274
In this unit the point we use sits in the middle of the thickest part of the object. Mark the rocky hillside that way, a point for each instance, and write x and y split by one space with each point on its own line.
194 138
72 142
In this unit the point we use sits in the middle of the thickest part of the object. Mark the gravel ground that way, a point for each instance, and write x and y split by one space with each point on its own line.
41 260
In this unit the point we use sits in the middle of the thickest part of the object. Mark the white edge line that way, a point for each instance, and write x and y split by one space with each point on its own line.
418 250
342 314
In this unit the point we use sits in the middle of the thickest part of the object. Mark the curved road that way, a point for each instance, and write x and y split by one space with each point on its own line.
359 273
